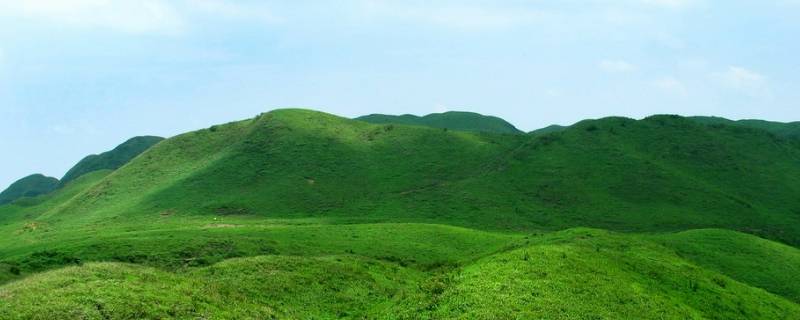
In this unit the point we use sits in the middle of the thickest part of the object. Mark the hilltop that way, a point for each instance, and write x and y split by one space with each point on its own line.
30 186
781 129
453 120
113 159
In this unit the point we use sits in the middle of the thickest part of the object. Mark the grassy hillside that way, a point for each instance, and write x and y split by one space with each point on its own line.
765 264
29 186
658 174
592 274
781 129
453 120
113 159
300 214
549 129
575 274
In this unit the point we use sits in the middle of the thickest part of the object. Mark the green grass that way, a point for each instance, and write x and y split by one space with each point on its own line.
782 129
300 214
592 274
752 260
659 174
253 288
453 120
113 159
574 274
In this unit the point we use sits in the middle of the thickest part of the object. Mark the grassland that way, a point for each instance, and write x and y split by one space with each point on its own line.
453 120
297 214
573 274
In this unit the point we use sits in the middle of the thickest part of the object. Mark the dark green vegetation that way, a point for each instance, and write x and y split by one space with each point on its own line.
549 129
37 184
113 159
453 120
300 214
29 186
781 129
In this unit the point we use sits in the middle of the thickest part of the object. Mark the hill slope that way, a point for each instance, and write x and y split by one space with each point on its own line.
111 160
29 186
781 129
301 214
549 129
764 264
454 120
574 274
661 173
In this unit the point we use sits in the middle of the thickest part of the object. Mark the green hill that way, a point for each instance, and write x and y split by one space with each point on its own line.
574 274
781 129
302 214
113 159
29 186
749 259
549 129
661 173
453 120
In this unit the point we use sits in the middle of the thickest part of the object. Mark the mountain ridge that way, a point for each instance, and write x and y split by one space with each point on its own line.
453 120
309 162
112 159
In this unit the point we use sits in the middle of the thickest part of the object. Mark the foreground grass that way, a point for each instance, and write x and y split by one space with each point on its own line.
573 274
260 287
761 263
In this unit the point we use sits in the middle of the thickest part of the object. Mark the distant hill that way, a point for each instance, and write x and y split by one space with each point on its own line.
781 129
549 129
113 159
29 186
454 120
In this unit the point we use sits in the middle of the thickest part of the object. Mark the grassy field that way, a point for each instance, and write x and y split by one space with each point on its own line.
297 214
573 274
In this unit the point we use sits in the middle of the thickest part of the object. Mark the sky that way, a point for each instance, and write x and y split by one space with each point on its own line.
79 77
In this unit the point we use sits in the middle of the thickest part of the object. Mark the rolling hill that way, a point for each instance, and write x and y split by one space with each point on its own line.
573 274
781 129
453 120
549 129
113 159
660 173
302 214
37 184
29 186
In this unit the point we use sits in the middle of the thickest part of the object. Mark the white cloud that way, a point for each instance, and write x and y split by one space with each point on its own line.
451 14
675 4
233 10
747 81
671 86
131 16
616 66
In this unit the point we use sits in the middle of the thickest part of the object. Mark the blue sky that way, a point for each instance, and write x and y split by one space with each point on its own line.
81 76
